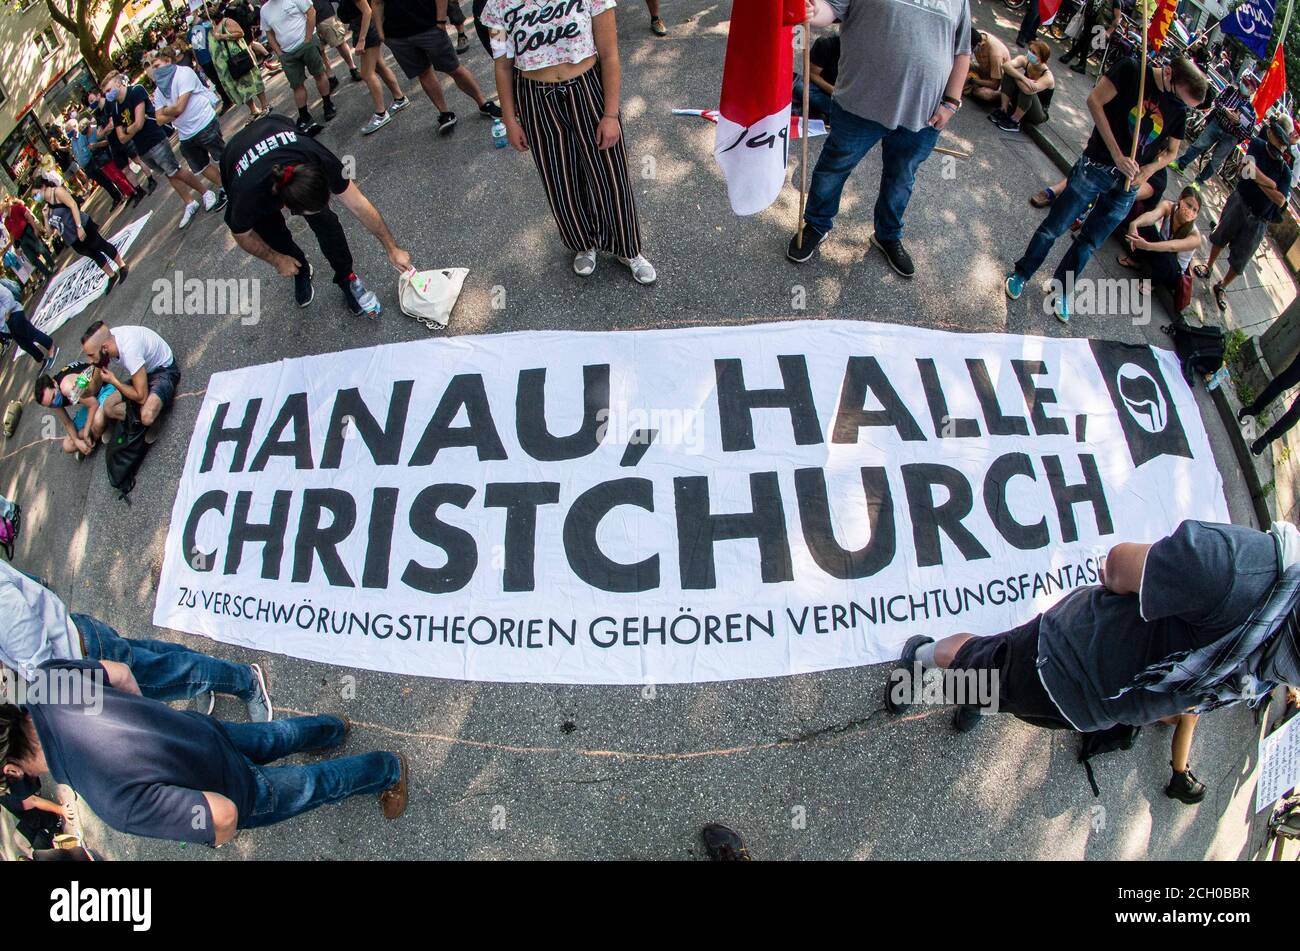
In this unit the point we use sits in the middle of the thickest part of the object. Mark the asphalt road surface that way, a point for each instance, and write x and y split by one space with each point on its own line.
805 766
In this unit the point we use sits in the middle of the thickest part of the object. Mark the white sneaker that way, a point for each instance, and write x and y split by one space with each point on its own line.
209 200
642 270
397 105
191 210
584 263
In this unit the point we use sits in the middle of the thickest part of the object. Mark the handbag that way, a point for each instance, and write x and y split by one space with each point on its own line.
239 62
429 296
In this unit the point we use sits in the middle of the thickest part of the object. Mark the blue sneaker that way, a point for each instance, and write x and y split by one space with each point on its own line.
1014 285
1062 309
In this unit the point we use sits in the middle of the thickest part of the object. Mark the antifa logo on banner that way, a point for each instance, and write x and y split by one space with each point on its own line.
1142 401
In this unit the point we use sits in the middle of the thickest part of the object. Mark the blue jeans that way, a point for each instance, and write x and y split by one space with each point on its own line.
1212 137
1088 181
851 138
286 791
819 100
165 671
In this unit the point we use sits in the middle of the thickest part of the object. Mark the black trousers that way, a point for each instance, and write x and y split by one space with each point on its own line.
1029 25
28 337
484 34
274 230
1082 46
96 247
103 181
1276 387
1164 267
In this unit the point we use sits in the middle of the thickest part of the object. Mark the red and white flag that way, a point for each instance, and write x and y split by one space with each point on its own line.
1047 10
753 137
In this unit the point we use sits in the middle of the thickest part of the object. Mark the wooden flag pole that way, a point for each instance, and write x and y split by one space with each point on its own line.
1142 86
803 122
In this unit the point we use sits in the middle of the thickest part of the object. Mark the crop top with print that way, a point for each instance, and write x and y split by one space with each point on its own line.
541 33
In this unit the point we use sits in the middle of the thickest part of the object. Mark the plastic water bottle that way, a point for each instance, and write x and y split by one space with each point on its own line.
80 385
498 134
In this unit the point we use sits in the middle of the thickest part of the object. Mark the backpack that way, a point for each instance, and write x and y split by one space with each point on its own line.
1119 737
126 451
1199 349
13 413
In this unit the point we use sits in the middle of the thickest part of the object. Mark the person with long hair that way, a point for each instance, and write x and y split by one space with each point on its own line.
1163 241
358 15
78 229
559 79
228 41
1026 89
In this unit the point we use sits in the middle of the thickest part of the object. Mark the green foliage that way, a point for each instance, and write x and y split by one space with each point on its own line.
1233 341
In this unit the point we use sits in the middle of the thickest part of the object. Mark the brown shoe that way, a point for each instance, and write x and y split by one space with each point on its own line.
392 801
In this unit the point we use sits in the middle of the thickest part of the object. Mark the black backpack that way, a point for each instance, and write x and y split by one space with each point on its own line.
1119 737
126 451
1200 349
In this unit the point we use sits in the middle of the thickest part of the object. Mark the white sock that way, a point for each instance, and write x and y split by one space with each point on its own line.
925 655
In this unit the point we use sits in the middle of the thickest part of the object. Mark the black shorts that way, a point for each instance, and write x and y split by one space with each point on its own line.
416 54
1014 655
372 35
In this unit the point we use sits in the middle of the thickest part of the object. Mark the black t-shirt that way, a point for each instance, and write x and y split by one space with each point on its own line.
1276 167
825 53
404 18
1164 118
1197 585
247 168
139 764
324 9
20 790
348 12
123 112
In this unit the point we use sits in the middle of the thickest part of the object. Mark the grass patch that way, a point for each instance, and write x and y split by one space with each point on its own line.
1233 343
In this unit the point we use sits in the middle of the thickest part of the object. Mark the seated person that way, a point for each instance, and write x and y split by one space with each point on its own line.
1026 89
152 373
1163 241
824 59
36 819
87 422
988 55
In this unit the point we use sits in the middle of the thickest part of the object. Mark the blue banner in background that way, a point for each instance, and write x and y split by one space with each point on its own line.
1252 23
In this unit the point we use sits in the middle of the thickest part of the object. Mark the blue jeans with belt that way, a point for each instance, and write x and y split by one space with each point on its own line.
851 138
1089 181
165 671
286 791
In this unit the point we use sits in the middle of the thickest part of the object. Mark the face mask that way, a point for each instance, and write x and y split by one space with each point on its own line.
163 74
57 401
111 95
1031 59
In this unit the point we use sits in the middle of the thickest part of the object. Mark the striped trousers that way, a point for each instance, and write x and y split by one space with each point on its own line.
588 189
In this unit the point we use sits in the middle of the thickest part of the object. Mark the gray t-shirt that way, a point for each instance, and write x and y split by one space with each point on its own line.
1197 585
896 56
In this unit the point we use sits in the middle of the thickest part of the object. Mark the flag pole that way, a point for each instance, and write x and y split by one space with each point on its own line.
803 122
1142 86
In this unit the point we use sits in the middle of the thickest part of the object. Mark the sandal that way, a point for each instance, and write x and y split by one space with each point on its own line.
1201 271
1043 198
1219 298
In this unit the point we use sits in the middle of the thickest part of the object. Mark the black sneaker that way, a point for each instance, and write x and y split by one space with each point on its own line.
122 273
309 126
330 111
1185 788
1007 124
799 252
221 200
153 183
966 718
446 122
334 83
996 114
906 661
303 292
896 255
355 74
490 109
1243 413
724 845
462 43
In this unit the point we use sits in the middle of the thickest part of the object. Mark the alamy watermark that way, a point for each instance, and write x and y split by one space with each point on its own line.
943 686
209 297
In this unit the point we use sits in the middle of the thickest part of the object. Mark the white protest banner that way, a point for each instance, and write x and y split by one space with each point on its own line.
1279 764
75 287
671 505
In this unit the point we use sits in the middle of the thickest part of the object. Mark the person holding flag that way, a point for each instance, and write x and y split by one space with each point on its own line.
903 65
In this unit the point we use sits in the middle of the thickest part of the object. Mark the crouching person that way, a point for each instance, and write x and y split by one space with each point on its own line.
1172 628
152 374
148 769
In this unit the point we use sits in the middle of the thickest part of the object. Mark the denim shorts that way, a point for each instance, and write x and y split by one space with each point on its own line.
204 148
163 383
162 159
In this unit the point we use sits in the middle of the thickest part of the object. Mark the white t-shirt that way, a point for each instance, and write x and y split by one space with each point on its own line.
288 18
141 347
37 627
540 33
8 304
198 114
